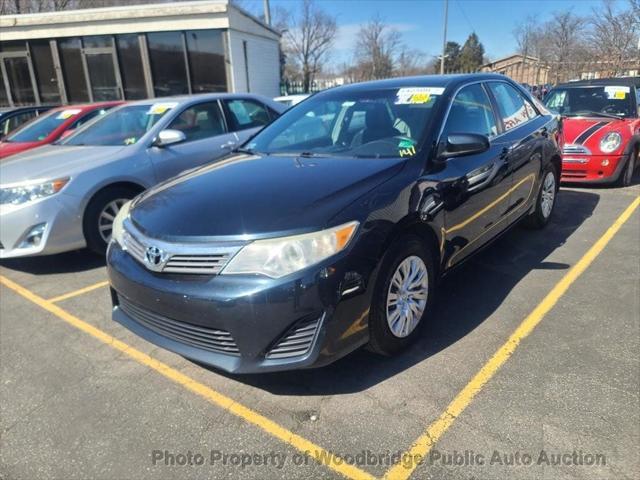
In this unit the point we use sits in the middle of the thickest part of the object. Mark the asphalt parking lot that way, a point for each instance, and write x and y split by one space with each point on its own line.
530 370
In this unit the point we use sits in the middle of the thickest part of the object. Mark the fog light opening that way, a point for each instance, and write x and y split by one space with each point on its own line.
34 237
605 162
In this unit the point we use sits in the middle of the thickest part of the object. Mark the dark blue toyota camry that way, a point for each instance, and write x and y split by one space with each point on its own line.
330 228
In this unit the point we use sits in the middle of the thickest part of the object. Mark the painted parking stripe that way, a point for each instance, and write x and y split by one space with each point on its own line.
80 291
322 456
423 445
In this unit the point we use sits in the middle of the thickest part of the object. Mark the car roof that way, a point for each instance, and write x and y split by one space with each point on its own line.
622 81
198 97
424 81
24 108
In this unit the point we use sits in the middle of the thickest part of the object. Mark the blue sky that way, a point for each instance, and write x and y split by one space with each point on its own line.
420 21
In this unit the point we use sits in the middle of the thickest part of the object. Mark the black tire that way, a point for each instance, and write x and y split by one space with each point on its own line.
539 217
626 175
382 340
90 224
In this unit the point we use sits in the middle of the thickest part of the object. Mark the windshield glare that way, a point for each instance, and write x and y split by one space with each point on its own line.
121 127
591 100
41 128
372 124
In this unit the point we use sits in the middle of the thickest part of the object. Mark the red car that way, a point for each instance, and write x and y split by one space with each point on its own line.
53 125
601 129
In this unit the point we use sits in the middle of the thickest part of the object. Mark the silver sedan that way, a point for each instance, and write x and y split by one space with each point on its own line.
65 196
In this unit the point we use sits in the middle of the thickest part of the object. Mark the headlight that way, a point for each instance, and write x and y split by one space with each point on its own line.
278 257
20 193
117 229
610 142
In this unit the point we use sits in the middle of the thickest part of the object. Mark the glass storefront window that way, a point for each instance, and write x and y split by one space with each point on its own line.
168 67
97 41
131 67
4 99
45 72
71 60
103 77
206 61
19 80
13 46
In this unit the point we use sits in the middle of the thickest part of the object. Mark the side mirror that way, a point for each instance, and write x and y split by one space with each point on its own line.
461 144
169 137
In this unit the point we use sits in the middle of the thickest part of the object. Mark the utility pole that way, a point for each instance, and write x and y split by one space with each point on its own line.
444 36
267 13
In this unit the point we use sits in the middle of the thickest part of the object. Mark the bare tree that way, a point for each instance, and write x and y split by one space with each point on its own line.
308 40
565 39
376 49
614 34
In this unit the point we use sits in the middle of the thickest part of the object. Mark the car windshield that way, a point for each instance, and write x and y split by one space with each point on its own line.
603 100
42 127
124 126
369 123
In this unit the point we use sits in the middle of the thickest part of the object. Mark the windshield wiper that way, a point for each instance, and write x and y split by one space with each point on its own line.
250 151
595 114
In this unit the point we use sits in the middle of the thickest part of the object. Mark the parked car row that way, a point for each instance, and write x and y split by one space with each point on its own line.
65 193
254 240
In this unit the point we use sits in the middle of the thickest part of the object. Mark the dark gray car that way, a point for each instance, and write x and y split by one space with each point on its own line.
64 196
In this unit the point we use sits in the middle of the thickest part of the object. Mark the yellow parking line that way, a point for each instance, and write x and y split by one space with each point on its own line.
80 291
422 446
316 452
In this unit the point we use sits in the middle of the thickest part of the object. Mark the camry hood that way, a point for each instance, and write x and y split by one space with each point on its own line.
258 196
54 161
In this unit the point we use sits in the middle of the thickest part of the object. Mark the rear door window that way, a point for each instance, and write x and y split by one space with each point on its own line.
245 113
471 112
512 105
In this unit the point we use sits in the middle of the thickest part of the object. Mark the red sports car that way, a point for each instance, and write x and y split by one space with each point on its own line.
601 129
51 126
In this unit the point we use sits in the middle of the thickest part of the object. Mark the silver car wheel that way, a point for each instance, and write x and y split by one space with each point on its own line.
107 216
407 296
548 194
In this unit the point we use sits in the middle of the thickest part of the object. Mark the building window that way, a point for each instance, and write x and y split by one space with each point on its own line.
45 72
4 99
19 80
71 60
131 67
168 68
206 61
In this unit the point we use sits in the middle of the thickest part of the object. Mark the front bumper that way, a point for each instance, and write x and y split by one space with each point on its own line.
62 218
236 323
590 168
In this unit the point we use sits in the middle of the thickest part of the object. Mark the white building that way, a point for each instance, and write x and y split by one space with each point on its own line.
136 52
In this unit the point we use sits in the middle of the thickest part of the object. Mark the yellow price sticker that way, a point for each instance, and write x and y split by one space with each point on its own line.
619 95
420 98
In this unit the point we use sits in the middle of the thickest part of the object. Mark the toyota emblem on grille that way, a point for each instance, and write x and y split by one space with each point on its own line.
154 257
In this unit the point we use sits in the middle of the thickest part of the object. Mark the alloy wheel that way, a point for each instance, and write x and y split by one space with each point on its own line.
548 194
407 296
107 216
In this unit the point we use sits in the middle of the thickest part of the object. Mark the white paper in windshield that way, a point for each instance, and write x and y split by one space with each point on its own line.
160 108
68 113
416 95
618 93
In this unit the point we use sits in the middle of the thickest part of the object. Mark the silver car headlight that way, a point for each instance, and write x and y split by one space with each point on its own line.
117 229
19 193
277 257
610 142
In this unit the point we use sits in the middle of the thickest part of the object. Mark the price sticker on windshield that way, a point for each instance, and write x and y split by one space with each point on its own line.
68 113
416 95
160 108
617 93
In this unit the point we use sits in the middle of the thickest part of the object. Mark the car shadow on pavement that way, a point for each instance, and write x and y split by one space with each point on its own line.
69 262
467 296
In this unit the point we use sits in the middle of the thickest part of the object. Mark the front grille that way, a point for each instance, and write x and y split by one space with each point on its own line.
196 258
199 264
297 341
213 340
574 174
572 149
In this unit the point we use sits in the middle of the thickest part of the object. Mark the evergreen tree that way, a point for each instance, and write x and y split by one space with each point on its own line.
472 54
